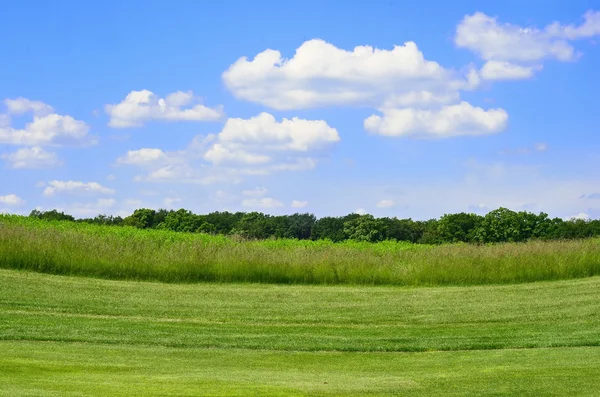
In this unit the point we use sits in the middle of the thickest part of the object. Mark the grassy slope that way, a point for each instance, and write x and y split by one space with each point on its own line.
127 253
61 335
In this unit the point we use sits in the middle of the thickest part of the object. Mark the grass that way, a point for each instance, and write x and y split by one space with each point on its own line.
81 336
127 253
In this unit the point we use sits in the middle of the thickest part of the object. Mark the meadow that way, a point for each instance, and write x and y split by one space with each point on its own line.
73 336
118 311
128 253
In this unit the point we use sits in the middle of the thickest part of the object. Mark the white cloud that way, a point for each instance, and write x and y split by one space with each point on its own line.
498 70
262 203
139 107
255 140
515 52
589 28
219 154
22 105
11 200
143 157
111 177
34 157
449 121
491 40
257 192
299 204
52 129
360 211
245 147
385 204
55 187
320 74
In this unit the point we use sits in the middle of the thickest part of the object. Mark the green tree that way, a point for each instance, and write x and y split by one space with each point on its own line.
142 218
52 215
365 228
328 228
461 227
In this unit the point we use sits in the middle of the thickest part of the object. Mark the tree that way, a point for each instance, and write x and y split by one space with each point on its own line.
365 228
255 225
400 229
142 218
328 228
182 221
52 215
461 227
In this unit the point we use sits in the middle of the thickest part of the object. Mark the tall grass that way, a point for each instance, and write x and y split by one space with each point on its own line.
129 253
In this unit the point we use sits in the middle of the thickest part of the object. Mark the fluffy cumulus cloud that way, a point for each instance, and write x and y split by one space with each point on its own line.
22 105
260 145
46 129
499 70
143 157
56 187
417 96
11 200
451 120
321 74
33 157
262 138
515 52
139 107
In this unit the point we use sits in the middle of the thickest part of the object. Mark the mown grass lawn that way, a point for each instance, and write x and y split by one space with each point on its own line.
81 336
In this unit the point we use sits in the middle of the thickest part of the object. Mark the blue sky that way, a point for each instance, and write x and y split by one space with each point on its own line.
392 108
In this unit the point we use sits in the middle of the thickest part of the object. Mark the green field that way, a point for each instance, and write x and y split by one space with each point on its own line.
113 252
63 336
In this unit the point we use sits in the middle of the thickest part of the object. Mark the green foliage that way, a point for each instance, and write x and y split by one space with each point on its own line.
365 228
501 225
64 247
462 227
328 228
52 215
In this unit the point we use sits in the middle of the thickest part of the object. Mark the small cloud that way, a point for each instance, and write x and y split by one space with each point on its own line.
111 177
75 187
385 204
299 204
32 158
139 107
11 200
22 105
360 211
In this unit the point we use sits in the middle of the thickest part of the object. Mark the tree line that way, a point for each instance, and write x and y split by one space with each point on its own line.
500 225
